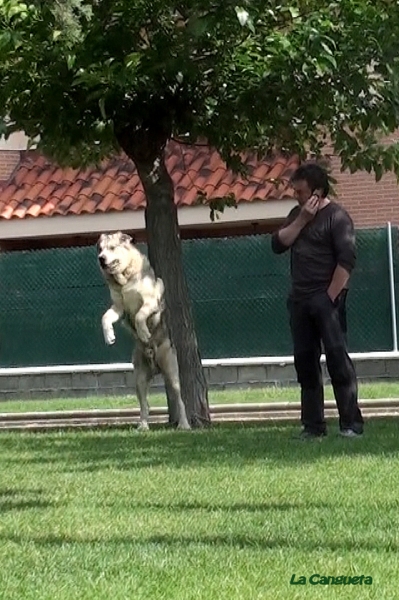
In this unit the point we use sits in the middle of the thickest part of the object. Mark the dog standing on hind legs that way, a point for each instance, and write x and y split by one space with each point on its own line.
137 297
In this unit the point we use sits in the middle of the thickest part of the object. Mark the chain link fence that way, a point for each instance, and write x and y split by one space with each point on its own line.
51 301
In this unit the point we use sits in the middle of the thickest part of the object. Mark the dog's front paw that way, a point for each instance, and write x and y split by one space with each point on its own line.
144 336
109 337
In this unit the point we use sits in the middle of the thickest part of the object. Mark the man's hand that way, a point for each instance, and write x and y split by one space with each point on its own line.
310 208
288 234
338 282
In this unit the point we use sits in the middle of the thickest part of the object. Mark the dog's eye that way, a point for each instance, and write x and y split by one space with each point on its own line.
111 248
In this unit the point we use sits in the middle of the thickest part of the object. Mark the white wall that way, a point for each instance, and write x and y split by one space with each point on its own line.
16 141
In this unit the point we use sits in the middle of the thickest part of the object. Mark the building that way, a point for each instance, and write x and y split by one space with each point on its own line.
43 205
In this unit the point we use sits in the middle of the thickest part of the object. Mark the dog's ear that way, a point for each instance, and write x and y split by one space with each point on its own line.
126 239
100 240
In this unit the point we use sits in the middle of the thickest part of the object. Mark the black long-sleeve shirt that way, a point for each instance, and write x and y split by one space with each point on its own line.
326 241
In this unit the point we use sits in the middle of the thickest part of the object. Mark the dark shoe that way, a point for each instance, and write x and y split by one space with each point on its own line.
305 435
349 433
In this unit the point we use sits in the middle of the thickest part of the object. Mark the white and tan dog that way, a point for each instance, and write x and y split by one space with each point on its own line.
137 296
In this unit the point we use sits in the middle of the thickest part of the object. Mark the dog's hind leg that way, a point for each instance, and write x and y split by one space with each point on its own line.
167 361
140 320
142 376
152 307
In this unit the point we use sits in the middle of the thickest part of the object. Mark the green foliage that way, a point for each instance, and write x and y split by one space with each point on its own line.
287 75
216 205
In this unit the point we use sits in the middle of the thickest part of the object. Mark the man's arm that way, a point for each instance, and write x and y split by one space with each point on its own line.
288 234
338 282
283 239
343 233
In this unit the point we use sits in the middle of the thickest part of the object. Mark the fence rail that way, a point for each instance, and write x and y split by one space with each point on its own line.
244 413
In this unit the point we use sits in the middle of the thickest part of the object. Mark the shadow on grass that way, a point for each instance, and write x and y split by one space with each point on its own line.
246 542
220 445
16 500
175 507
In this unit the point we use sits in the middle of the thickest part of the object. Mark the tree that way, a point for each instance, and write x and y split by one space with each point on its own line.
88 77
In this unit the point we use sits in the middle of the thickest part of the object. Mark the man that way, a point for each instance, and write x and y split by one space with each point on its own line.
321 237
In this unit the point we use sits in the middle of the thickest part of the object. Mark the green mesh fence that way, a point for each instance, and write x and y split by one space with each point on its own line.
238 287
51 302
369 301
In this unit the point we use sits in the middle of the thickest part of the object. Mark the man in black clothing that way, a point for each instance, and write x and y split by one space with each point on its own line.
321 237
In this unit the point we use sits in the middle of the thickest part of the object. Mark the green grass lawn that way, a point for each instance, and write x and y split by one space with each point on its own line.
229 513
269 394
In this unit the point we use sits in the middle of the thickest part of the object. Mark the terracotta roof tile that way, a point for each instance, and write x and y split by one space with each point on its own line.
39 187
34 210
21 173
7 193
32 192
19 194
81 205
19 212
187 198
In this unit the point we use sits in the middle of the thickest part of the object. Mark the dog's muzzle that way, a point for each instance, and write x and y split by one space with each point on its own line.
102 262
108 266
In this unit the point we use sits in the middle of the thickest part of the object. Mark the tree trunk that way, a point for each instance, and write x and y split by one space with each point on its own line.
165 254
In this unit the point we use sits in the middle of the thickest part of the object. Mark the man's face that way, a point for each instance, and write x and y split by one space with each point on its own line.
302 191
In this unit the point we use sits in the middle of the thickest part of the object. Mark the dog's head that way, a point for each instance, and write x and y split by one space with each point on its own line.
114 252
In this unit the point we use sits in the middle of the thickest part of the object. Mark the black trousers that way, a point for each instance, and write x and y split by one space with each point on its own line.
313 321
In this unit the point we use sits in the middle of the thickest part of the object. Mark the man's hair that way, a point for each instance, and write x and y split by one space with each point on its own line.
315 176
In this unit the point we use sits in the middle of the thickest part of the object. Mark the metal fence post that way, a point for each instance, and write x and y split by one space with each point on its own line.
392 288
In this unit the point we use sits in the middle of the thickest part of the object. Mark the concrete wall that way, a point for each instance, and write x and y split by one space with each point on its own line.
119 383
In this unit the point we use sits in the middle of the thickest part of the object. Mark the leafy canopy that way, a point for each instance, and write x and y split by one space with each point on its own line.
258 74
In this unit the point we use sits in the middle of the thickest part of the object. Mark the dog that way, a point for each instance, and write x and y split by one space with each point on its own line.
138 298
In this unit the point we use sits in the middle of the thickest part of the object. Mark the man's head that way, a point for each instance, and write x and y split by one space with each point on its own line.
309 178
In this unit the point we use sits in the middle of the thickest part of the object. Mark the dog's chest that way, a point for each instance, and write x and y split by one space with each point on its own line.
132 299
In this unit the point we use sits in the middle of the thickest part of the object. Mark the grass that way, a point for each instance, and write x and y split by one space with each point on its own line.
269 394
228 513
